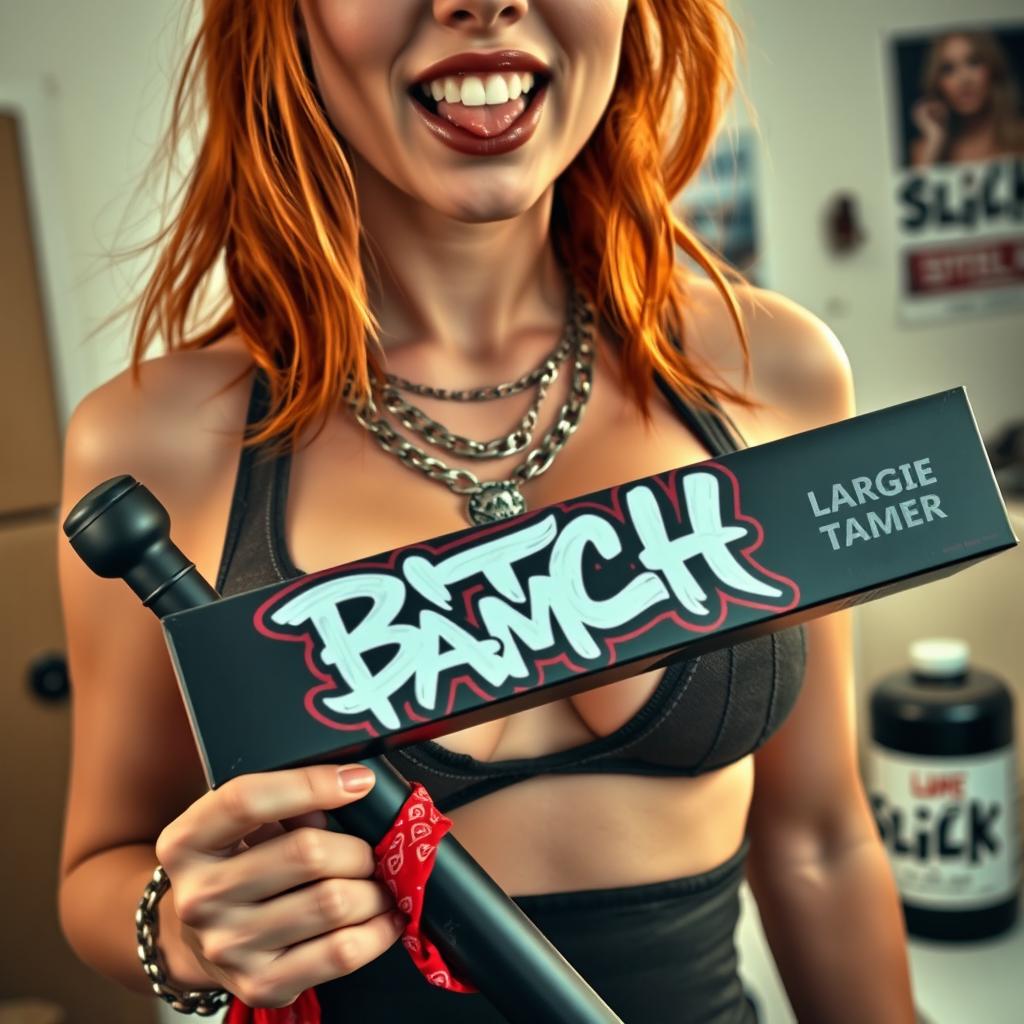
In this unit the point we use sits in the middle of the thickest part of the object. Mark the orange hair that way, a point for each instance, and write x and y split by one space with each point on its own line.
271 192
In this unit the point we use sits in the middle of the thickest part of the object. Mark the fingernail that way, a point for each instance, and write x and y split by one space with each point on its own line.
355 778
398 919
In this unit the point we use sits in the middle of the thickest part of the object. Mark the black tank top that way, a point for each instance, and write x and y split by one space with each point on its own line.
706 712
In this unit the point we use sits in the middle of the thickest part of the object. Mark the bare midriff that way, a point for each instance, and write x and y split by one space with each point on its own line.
556 833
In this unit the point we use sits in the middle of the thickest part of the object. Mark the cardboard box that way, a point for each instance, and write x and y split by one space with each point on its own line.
437 636
30 446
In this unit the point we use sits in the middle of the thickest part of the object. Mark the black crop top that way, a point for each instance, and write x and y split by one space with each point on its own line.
706 712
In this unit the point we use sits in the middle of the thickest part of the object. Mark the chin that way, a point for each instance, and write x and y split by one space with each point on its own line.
968 107
487 203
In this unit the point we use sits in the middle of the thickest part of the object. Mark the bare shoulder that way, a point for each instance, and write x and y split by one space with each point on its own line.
799 370
173 429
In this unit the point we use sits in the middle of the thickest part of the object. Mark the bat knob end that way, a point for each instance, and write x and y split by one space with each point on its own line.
115 525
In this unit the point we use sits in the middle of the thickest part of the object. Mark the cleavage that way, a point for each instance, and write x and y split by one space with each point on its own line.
558 725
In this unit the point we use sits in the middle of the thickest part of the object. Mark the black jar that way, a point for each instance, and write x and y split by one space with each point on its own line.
942 779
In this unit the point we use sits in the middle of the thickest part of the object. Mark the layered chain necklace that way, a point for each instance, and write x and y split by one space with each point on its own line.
494 500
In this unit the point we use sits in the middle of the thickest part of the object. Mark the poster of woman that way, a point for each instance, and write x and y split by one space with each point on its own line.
959 170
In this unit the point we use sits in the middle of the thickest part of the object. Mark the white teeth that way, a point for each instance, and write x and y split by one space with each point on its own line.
475 91
473 94
495 89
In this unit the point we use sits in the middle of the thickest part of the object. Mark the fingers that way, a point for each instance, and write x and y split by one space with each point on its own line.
270 900
331 955
219 820
286 861
235 952
314 910
314 819
263 833
930 114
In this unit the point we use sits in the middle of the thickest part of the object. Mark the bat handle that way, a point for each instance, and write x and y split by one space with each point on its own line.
120 530
482 934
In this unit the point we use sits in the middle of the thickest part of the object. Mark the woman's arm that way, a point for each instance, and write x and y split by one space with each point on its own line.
823 884
817 868
134 764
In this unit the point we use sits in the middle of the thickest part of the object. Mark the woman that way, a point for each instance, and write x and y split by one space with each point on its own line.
347 202
970 104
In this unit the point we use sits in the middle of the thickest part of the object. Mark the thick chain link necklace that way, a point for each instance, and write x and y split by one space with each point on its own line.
490 391
437 434
492 501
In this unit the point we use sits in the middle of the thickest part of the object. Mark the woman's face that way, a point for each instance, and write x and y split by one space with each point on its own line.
964 80
371 56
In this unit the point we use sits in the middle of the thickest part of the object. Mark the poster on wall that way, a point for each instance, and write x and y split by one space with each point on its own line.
958 155
720 203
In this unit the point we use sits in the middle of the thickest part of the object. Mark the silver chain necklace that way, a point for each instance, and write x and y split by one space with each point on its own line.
492 501
487 392
438 435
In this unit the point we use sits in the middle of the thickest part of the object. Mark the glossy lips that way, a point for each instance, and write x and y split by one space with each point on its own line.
503 60
475 63
474 145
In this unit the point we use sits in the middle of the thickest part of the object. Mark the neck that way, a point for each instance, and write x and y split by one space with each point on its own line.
472 291
977 126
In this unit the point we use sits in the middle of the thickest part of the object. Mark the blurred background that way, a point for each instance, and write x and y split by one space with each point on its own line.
850 183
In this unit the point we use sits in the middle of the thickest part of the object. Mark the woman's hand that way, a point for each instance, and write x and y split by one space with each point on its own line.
931 118
270 902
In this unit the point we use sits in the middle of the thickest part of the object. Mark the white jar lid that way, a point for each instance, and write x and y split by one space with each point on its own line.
940 657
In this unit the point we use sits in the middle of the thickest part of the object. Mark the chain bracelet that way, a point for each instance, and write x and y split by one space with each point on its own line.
147 930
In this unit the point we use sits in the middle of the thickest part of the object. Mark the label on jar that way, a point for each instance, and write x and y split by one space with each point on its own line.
949 824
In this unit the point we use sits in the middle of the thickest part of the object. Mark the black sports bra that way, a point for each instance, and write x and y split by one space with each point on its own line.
706 712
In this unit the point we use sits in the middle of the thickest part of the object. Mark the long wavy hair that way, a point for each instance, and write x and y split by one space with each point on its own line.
267 215
1006 101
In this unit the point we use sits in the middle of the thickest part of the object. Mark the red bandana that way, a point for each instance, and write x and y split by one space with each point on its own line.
305 1010
405 858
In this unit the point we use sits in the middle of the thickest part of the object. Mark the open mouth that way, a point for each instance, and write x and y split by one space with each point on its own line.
485 107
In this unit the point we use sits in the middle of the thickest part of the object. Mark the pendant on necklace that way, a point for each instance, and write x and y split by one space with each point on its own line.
495 501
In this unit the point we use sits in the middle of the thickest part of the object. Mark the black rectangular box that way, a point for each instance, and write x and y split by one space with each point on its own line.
437 636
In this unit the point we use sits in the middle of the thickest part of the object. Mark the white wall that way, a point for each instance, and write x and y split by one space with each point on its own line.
95 79
818 79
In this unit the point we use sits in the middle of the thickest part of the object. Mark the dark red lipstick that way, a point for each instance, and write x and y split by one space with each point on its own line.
469 63
472 62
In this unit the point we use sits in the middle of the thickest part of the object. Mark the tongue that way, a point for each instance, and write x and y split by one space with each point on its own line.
489 119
